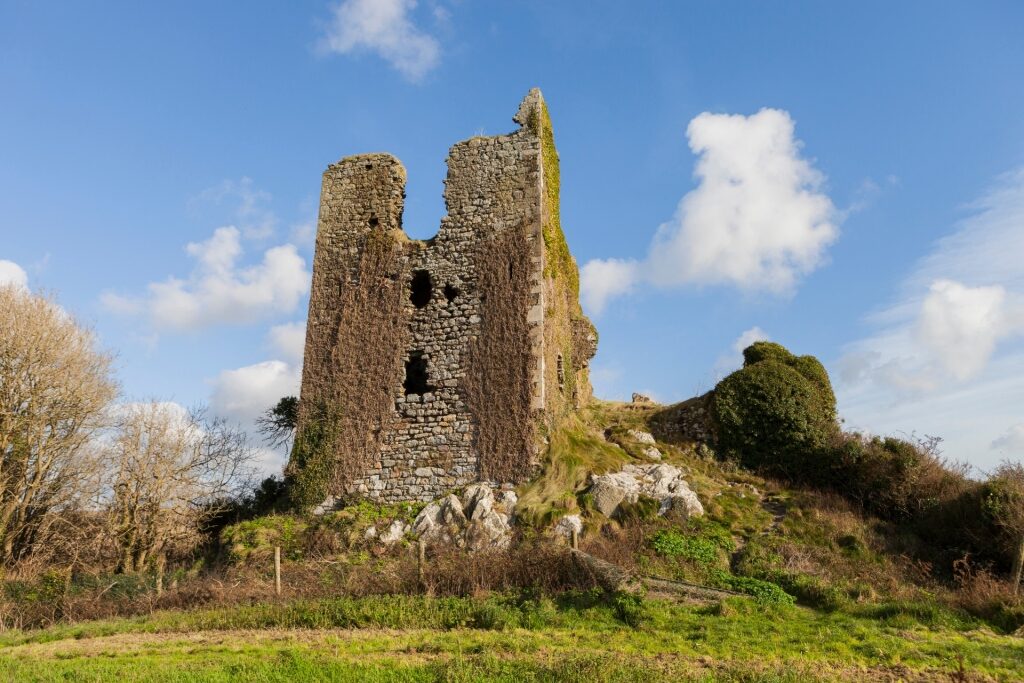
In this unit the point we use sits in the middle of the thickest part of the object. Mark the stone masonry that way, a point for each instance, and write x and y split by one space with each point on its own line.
443 362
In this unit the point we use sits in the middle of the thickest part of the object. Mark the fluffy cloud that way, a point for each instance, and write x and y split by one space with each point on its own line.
758 218
289 340
1012 442
383 27
730 361
12 274
960 325
245 393
219 290
946 356
603 279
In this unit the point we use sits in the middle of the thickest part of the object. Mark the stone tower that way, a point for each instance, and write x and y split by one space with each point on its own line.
431 364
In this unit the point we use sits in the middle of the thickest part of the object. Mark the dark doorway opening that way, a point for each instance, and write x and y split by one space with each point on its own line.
416 375
421 289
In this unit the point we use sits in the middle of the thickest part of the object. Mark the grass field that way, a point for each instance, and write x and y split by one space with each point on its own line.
585 638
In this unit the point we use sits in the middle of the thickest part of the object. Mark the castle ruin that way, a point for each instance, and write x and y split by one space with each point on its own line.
432 364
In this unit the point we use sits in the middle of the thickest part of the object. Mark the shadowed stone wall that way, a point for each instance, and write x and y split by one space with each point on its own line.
442 362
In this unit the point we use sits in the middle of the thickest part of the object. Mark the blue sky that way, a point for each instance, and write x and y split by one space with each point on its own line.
872 214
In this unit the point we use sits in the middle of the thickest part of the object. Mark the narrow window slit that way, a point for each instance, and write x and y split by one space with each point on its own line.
561 373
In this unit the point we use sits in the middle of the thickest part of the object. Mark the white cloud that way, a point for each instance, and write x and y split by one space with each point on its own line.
1012 442
12 274
600 280
946 357
383 27
960 325
757 220
245 393
289 340
219 290
726 363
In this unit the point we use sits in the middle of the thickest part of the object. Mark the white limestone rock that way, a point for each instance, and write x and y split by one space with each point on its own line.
641 436
566 525
660 481
394 533
652 453
478 521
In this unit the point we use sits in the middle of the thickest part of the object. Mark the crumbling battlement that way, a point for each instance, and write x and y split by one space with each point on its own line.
438 363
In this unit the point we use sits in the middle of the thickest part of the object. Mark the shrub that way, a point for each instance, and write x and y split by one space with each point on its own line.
630 609
695 549
310 470
764 592
777 413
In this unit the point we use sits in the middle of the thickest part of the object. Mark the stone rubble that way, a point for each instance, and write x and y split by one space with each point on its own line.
477 521
662 482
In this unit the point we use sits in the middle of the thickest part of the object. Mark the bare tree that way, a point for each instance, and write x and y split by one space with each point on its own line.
55 386
170 471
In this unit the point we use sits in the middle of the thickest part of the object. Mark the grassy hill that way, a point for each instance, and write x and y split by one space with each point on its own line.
823 591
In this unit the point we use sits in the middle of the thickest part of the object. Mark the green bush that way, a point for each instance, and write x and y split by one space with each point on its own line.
776 414
671 543
763 592
630 609
311 466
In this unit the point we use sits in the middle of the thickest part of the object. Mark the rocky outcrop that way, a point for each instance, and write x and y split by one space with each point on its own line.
662 482
477 521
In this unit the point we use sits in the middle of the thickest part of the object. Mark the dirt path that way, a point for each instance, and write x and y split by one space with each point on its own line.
777 509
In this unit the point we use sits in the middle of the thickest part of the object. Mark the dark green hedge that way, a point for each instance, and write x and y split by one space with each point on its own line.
777 414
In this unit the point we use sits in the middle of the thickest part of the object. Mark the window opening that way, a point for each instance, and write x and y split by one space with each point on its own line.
561 373
416 375
421 289
451 293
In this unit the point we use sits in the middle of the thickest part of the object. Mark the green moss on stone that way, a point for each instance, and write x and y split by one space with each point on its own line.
560 263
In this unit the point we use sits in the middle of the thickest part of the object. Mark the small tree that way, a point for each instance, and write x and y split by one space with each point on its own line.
55 386
170 472
277 424
1004 505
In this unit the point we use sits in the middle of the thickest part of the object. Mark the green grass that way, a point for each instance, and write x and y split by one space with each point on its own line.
578 637
575 451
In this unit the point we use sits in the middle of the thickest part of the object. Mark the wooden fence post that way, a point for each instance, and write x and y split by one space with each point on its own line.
277 569
160 561
421 560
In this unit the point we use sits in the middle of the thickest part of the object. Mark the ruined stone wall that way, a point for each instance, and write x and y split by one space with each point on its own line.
431 360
